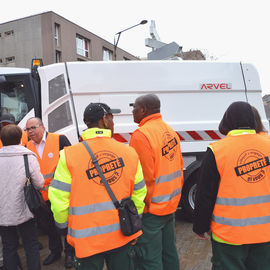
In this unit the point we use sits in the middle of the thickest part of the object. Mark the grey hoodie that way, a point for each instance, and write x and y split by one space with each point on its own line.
13 208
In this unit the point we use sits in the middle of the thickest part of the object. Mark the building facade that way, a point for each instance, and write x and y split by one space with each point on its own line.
54 39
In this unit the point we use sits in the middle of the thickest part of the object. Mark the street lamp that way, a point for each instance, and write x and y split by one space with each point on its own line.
119 34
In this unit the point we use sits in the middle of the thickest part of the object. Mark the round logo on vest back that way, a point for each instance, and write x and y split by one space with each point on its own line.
111 166
251 166
169 146
50 155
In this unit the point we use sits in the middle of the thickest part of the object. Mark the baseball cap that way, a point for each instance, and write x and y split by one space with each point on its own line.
95 111
8 118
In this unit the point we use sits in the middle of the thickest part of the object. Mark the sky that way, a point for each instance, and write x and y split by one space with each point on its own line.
227 30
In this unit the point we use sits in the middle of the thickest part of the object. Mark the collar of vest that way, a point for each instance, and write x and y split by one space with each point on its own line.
241 132
150 117
91 133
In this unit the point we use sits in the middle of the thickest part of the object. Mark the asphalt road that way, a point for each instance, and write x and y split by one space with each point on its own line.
194 254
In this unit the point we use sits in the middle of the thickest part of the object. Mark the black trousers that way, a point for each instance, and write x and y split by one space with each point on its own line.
10 241
46 223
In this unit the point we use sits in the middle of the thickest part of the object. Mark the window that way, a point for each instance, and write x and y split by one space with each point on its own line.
56 34
82 45
1 61
107 55
10 59
57 88
60 118
9 33
16 95
57 56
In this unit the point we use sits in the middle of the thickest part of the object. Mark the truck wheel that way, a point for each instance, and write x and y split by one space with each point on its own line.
188 195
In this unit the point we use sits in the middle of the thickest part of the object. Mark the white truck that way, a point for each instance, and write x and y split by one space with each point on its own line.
194 96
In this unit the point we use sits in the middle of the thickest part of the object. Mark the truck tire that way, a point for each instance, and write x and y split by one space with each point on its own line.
188 194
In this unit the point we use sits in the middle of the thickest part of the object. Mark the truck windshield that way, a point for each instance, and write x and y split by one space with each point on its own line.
16 95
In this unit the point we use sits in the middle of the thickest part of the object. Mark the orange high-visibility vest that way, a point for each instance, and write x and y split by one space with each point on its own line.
93 223
168 166
242 211
24 139
49 160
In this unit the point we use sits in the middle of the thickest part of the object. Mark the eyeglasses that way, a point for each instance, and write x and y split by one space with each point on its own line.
31 128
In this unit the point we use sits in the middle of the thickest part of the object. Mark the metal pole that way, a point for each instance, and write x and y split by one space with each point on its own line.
119 34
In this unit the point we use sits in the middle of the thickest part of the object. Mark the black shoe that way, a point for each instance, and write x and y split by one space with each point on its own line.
52 258
69 261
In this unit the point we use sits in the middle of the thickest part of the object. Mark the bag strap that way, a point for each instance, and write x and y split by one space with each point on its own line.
103 179
26 165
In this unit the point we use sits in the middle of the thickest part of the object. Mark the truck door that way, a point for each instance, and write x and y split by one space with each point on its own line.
57 113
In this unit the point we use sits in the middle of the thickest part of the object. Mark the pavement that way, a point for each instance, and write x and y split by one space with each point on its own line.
195 254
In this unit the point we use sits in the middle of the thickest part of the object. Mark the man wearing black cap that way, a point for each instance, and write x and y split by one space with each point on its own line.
7 119
80 201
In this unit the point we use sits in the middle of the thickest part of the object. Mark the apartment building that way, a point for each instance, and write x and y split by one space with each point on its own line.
54 39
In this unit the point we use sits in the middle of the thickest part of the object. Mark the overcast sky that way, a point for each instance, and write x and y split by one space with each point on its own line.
230 30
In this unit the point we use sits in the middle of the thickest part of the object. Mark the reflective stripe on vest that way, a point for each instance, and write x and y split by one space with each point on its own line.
169 177
243 201
93 231
242 221
167 197
139 185
61 225
60 185
92 208
47 176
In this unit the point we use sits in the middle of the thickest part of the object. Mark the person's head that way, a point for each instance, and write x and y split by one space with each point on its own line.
145 105
35 129
258 121
7 119
239 115
99 115
11 135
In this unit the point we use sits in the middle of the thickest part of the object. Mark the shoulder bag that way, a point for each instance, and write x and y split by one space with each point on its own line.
130 221
33 196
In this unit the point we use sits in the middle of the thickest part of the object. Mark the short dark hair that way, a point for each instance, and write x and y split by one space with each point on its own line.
11 135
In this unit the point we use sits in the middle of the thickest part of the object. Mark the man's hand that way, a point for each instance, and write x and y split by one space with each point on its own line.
202 236
134 242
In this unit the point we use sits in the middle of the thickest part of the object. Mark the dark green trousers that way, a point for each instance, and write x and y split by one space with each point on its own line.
120 259
156 248
243 257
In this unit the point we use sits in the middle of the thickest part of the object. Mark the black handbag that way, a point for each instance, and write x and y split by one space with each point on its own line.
33 196
130 221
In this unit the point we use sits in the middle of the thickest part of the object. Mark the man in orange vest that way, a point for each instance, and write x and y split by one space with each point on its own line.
158 147
233 194
47 147
81 202
7 119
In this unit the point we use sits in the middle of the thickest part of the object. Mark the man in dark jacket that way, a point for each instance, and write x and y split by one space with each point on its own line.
233 194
